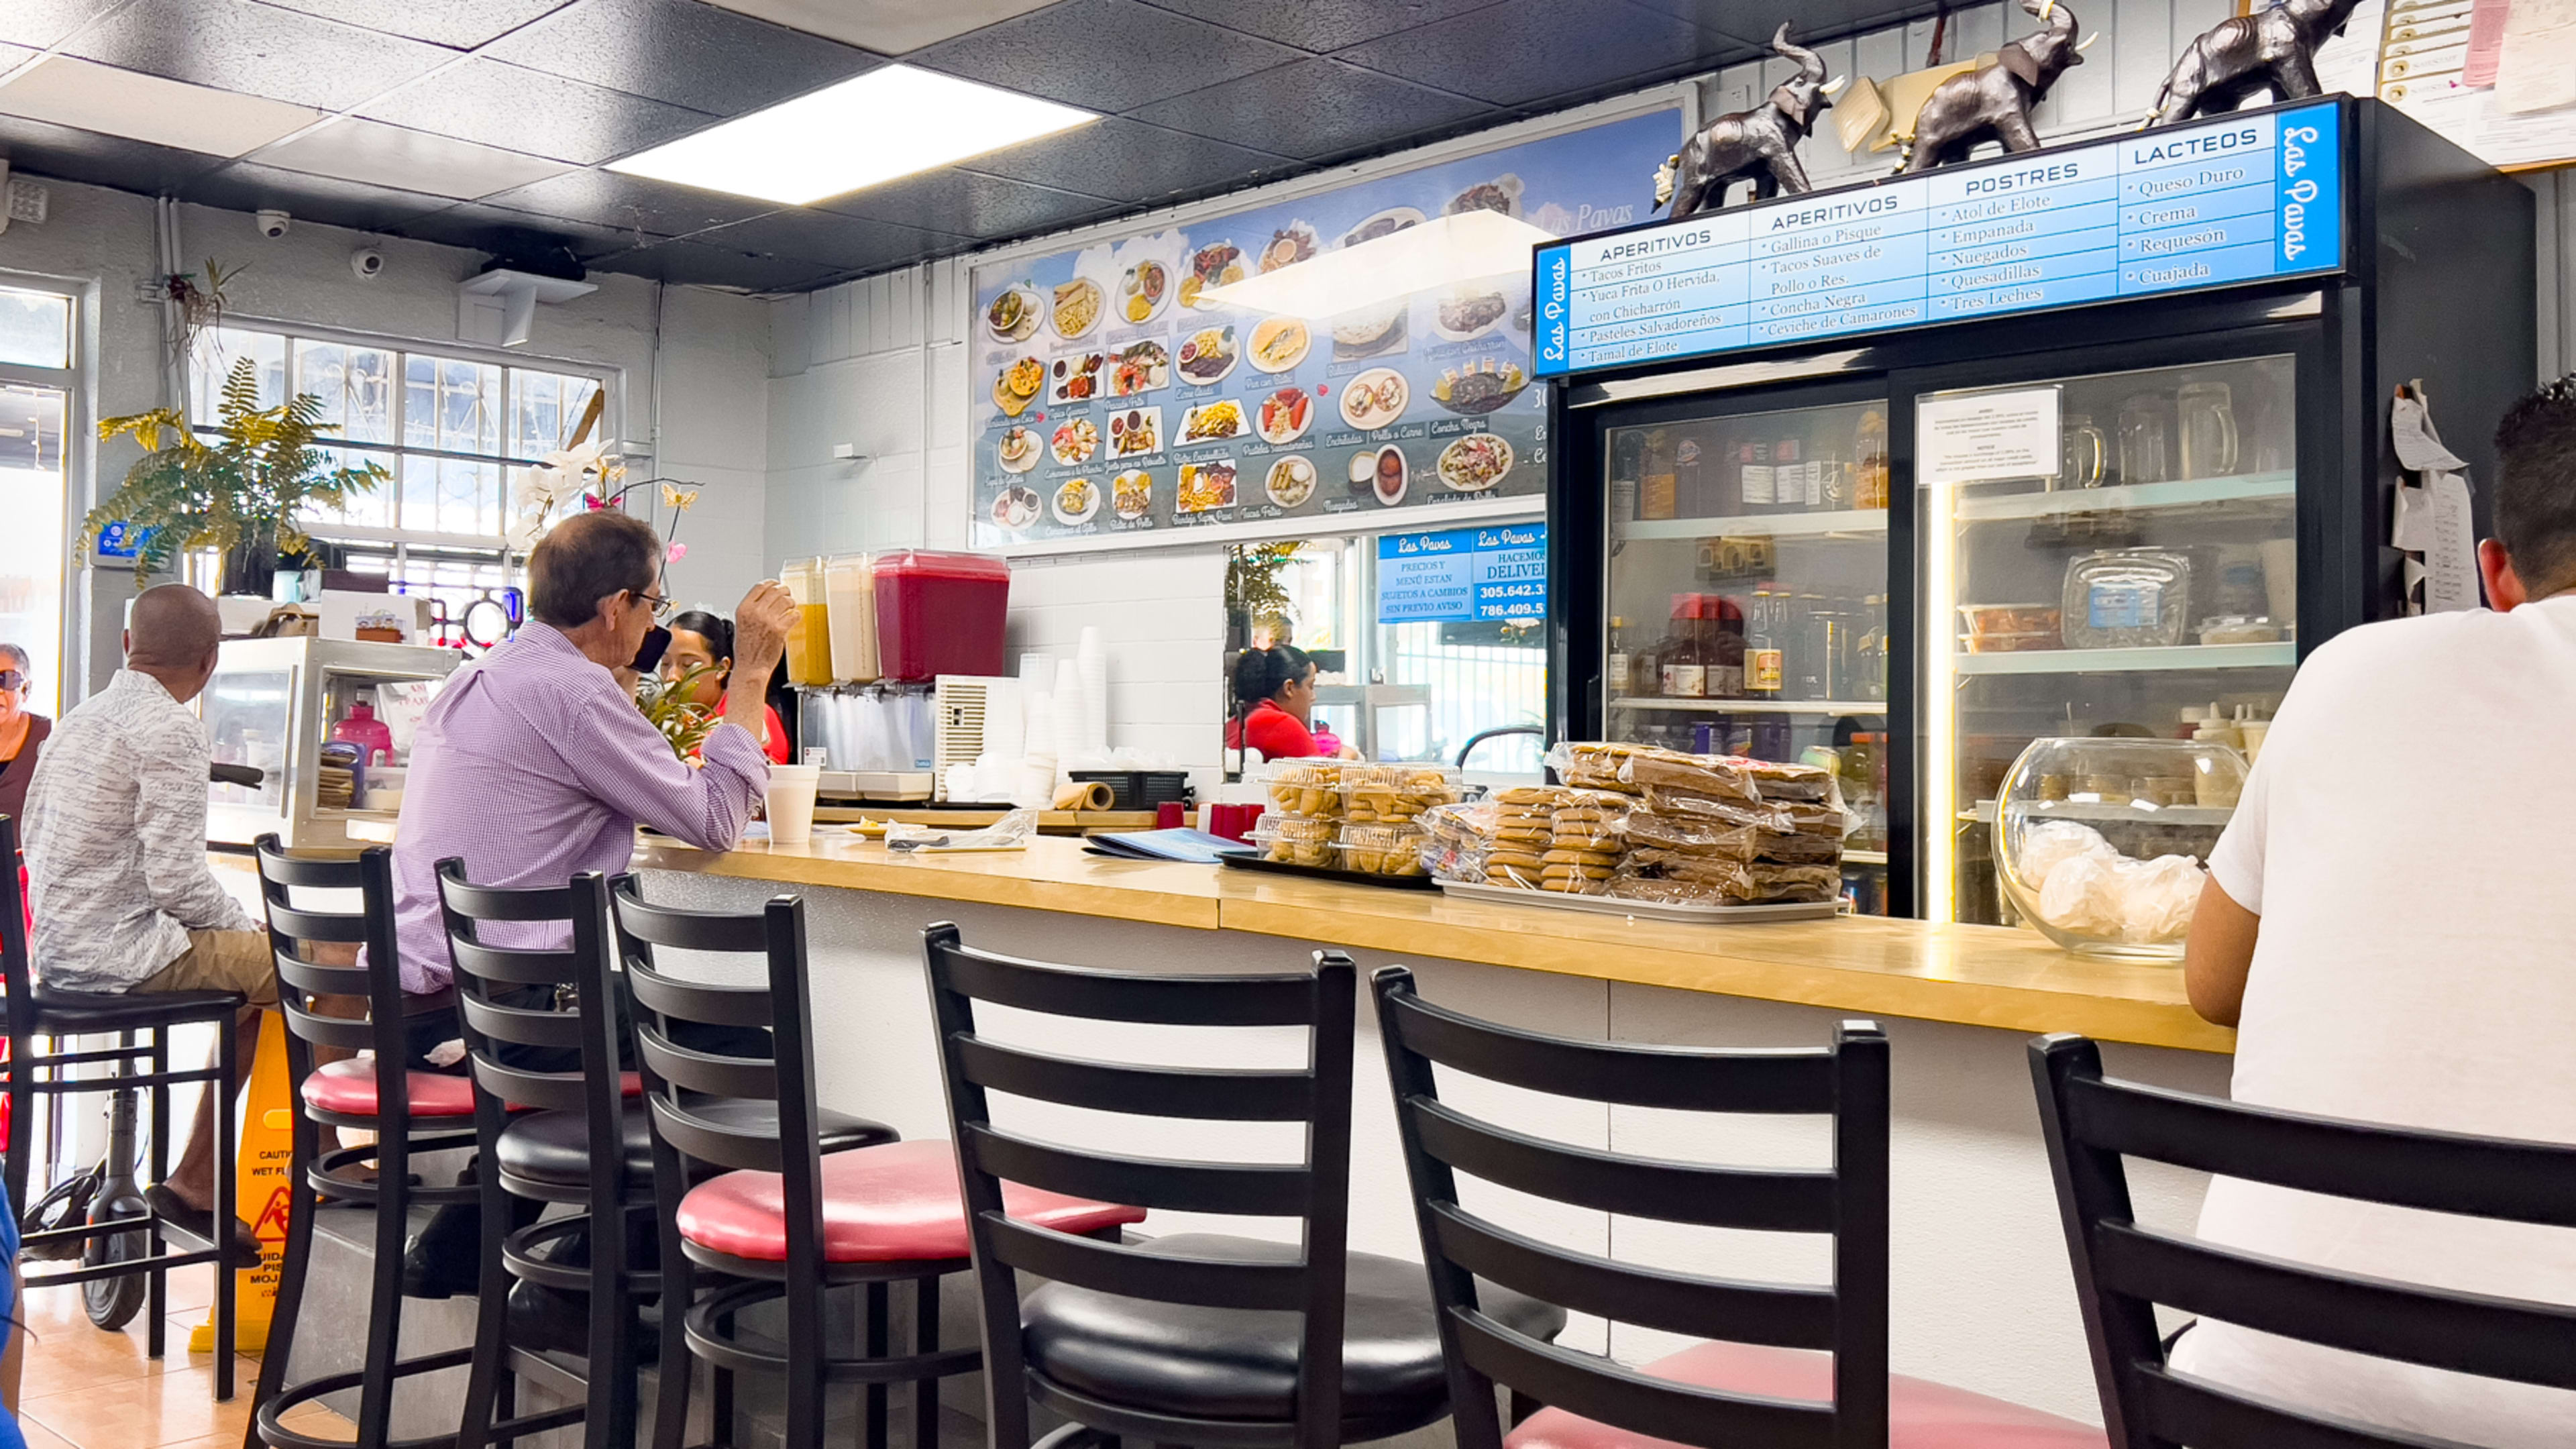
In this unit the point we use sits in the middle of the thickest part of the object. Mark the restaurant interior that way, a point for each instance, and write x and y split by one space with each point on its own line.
1488 720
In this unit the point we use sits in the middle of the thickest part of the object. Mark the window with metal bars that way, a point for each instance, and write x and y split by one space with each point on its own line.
455 434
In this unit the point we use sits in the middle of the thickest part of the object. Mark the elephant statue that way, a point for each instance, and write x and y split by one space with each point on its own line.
1995 100
2271 49
1759 145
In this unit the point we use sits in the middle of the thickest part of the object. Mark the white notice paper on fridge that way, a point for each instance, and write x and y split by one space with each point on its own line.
1977 437
2451 558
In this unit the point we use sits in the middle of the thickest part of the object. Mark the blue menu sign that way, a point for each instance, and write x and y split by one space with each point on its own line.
2234 199
1462 574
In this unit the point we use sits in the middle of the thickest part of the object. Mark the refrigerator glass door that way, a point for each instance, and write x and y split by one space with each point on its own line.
1747 596
33 486
2103 555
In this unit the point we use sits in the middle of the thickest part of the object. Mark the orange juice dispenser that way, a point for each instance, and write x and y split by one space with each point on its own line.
809 643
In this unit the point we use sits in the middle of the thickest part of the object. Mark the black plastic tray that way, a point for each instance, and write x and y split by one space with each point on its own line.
1139 789
1325 872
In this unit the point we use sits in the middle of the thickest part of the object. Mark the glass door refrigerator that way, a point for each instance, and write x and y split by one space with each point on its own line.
2087 441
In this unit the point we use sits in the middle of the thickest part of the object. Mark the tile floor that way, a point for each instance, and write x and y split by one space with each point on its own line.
87 1389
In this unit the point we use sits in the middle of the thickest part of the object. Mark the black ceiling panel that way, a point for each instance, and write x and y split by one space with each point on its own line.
682 52
516 234
463 24
43 149
964 203
845 243
1131 161
1103 55
1752 21
257 50
42 23
688 264
245 186
1316 109
542 115
1322 25
607 198
1522 50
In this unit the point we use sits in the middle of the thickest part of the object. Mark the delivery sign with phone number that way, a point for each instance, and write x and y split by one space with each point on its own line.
1462 575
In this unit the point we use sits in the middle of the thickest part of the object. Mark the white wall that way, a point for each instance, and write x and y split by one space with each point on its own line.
713 350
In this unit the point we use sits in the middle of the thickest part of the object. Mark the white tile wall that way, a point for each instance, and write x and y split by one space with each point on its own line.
1165 632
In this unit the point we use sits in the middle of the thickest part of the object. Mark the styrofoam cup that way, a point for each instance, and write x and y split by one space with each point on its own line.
791 802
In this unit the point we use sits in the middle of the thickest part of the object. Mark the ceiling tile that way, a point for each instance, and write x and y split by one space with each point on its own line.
1132 161
888 27
371 151
12 56
463 24
520 236
142 107
846 242
506 106
1521 50
1822 19
43 23
361 206
257 50
635 203
1322 25
688 264
682 52
1315 108
963 203
42 149
1107 55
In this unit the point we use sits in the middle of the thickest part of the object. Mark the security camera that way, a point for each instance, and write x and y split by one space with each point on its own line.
272 224
366 262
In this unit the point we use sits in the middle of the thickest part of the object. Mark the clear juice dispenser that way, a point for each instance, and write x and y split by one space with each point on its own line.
850 591
809 642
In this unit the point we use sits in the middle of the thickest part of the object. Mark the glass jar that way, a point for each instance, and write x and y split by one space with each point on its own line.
2099 841
809 640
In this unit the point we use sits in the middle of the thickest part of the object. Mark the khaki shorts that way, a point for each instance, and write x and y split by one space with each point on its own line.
222 961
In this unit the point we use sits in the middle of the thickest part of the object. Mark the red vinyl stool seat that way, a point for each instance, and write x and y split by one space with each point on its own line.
897 1203
349 1088
1920 1413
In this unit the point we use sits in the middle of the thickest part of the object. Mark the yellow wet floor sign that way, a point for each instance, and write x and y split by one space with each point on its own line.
259 1192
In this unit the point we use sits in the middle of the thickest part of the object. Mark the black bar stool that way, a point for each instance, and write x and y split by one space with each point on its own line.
547 1118
1203 1339
32 1077
2124 1269
409 1113
1761 1383
814 1200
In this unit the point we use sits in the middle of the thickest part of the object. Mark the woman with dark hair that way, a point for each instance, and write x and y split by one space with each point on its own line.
703 640
22 732
1274 694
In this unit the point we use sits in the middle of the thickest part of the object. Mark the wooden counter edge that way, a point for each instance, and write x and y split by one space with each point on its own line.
1074 898
1994 1006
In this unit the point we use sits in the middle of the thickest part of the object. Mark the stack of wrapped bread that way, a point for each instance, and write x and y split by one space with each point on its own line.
1557 838
1350 816
1714 829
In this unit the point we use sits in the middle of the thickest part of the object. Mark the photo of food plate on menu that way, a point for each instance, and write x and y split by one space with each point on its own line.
1095 363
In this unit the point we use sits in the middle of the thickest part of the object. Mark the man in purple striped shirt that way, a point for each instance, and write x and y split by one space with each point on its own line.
533 764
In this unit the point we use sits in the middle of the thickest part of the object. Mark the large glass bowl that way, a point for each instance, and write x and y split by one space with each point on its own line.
2098 842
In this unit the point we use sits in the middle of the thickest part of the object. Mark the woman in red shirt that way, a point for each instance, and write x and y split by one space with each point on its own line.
1274 692
703 640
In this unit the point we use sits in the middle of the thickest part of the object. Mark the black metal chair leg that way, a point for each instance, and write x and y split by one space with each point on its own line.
491 1364
384 1303
156 1294
226 1088
875 1437
610 1420
925 1339
671 1387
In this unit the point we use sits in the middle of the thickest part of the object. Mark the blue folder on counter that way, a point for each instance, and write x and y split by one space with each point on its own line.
1191 847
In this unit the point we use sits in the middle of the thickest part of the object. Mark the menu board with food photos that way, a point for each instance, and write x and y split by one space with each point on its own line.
1110 398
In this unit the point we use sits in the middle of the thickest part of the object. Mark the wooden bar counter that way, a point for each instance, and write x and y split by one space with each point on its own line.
1980 1292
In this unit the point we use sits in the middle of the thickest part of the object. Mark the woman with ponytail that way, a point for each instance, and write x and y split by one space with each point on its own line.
1274 693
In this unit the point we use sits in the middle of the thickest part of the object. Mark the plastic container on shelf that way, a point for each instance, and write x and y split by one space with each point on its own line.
850 592
2099 841
809 640
375 741
940 613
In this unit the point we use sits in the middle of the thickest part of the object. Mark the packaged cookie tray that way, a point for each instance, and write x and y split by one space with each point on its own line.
1646 910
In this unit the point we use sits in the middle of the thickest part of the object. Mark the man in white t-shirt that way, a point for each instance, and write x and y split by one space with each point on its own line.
2390 924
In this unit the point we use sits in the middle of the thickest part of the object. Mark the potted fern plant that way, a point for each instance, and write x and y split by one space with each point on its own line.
239 491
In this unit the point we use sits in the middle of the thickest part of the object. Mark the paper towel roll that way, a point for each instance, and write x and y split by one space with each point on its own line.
1094 669
1083 795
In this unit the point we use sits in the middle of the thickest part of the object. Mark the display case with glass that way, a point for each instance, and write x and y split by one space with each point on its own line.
2106 555
273 704
1747 584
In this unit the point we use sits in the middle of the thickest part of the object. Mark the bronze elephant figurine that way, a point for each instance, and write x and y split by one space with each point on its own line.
1759 145
2272 50
1993 102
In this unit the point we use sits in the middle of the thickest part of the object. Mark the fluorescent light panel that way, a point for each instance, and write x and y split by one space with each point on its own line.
94 97
378 154
891 122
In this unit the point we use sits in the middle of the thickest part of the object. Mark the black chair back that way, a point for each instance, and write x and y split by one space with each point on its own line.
17 980
1846 1081
1314 1191
2124 1269
294 930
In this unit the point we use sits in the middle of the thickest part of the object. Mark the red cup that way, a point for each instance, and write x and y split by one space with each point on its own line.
1169 815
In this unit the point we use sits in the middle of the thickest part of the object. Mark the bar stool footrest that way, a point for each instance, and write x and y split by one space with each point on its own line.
746 1352
293 1396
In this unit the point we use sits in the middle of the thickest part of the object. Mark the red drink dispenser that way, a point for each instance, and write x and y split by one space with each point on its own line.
940 613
